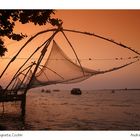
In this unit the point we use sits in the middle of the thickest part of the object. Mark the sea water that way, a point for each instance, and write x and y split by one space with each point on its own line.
60 110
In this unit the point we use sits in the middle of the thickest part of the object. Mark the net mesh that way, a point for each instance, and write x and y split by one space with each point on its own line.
59 68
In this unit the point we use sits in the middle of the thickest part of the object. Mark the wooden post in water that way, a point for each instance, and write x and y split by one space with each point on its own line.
2 108
23 105
43 52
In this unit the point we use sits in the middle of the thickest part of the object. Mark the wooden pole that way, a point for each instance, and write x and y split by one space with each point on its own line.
28 41
14 77
74 52
104 38
117 68
18 71
26 74
43 52
2 108
23 105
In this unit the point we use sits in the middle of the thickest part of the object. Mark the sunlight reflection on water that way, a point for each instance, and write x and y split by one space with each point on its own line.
93 110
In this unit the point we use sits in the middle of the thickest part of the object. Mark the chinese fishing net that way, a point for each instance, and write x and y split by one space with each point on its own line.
59 68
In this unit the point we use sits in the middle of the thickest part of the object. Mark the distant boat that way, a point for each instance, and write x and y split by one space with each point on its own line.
113 91
76 91
42 90
56 90
48 91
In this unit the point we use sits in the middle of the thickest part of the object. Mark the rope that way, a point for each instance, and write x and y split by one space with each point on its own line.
73 51
63 30
29 40
43 72
81 59
43 52
104 38
52 71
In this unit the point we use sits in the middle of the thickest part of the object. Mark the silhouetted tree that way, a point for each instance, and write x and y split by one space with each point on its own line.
9 17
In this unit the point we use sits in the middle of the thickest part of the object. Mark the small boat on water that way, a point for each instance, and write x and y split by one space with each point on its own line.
113 91
56 90
76 91
48 91
42 90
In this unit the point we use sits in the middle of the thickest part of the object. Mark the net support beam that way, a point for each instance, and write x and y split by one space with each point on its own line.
28 41
104 38
73 51
43 52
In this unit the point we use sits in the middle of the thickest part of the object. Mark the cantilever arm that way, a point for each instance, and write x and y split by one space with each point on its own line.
117 68
73 51
104 38
29 40
52 71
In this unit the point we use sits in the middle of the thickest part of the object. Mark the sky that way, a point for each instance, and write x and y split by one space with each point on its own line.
120 25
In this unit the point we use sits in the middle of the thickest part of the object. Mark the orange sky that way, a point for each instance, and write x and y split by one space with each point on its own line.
122 26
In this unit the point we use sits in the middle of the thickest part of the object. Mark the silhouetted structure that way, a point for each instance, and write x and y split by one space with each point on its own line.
49 73
76 91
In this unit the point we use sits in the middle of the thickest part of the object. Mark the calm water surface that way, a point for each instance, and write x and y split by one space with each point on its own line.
93 110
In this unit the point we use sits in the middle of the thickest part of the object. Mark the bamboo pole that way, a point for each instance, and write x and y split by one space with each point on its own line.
18 71
104 38
73 51
14 77
43 72
93 73
23 105
28 41
117 68
52 71
3 109
43 52
67 30
26 74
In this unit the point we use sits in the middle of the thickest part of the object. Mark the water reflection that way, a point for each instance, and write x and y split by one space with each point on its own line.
93 110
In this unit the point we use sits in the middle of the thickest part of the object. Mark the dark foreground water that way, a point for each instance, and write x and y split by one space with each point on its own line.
93 110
